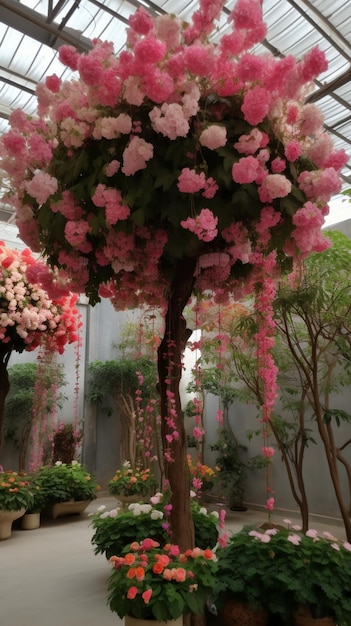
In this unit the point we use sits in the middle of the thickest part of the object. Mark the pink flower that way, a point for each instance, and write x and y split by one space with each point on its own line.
41 186
295 539
146 595
268 452
135 155
213 137
292 150
204 225
256 105
245 171
132 592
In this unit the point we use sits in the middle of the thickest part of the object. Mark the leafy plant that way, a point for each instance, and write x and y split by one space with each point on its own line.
15 491
61 482
277 570
154 582
115 529
129 482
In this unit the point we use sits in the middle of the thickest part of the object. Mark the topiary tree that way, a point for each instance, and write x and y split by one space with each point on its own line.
180 166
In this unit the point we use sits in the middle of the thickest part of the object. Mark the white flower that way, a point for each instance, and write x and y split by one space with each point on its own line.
155 514
203 510
113 512
102 507
58 463
75 463
215 514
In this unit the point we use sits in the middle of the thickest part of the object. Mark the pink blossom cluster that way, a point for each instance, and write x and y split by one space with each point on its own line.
176 143
28 316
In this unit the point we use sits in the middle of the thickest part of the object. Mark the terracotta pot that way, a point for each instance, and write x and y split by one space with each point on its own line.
235 613
303 617
71 507
134 621
6 519
30 521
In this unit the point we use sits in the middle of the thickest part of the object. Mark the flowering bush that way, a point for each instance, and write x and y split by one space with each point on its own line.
153 582
202 476
15 491
61 482
115 529
129 482
278 570
175 148
28 314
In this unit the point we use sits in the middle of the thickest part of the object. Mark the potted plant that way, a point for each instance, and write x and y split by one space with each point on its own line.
117 528
15 498
202 477
131 484
31 518
285 573
151 582
231 469
67 488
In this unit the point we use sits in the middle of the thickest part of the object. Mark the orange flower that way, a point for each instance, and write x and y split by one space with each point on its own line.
179 574
140 573
11 480
133 479
131 572
208 554
129 558
157 568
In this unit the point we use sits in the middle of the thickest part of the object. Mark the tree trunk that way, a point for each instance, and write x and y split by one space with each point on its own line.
5 354
170 354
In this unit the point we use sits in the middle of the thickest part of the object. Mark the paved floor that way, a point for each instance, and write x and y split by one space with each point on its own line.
51 577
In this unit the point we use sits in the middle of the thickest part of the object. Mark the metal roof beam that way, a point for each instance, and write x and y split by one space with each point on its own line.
34 25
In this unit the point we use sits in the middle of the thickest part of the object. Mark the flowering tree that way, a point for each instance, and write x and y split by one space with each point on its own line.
180 166
28 317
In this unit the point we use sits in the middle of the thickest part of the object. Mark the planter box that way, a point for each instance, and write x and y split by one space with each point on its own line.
61 509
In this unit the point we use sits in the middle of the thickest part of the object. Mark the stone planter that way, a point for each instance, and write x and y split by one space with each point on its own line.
71 507
30 521
6 519
303 617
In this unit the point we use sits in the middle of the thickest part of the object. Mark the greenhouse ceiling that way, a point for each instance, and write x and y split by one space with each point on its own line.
31 31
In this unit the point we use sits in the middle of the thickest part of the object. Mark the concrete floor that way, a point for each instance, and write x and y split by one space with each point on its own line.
51 577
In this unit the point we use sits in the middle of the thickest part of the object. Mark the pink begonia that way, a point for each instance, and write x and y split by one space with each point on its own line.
141 21
312 533
112 127
133 92
320 184
170 120
256 105
149 50
246 13
189 181
245 171
76 232
41 186
278 165
251 143
311 119
68 55
204 226
112 168
268 452
292 150
68 206
168 29
274 186
198 58
53 83
347 545
135 155
312 64
213 137
321 150
158 85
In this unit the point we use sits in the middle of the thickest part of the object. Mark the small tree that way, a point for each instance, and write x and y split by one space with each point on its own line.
19 416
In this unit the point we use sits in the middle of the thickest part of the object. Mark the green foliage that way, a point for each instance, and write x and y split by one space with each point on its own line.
61 482
277 570
117 377
231 467
115 529
18 414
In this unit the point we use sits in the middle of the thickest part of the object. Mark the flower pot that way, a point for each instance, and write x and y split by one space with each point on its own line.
30 521
71 507
133 499
235 613
6 519
303 617
135 621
